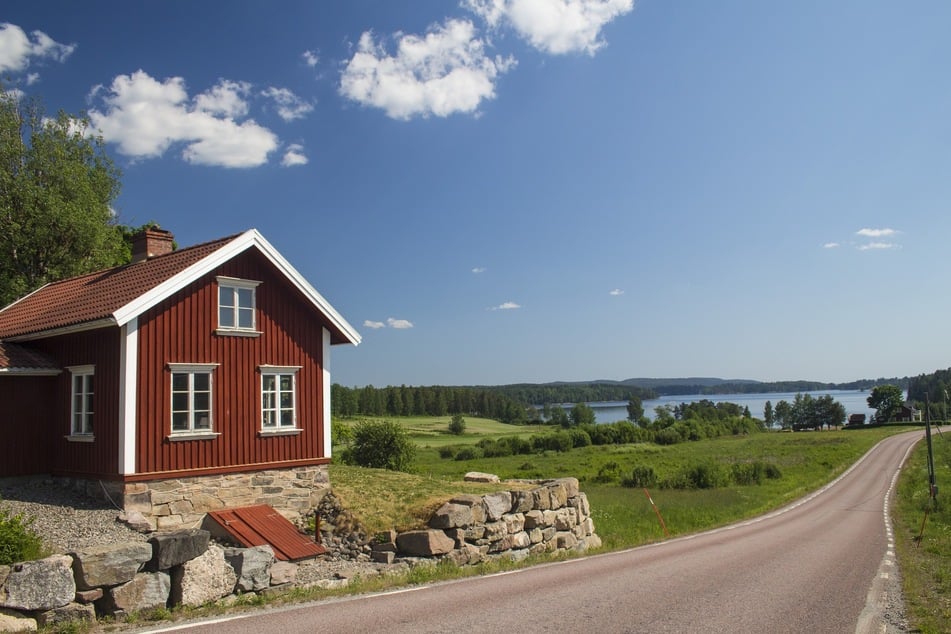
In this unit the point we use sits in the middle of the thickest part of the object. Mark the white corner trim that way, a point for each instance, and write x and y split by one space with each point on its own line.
325 388
248 239
128 393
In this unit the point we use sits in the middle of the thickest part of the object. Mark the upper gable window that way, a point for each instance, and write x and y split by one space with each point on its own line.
237 312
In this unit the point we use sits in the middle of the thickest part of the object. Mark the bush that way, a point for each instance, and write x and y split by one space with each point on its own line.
667 437
17 541
447 453
754 472
609 472
468 453
457 426
704 475
641 478
380 445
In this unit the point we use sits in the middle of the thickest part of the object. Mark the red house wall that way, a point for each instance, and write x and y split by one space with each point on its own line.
182 330
25 424
97 459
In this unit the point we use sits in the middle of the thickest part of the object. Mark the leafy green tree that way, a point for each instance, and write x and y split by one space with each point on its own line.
380 445
782 414
457 426
886 400
558 416
768 414
635 409
57 189
582 414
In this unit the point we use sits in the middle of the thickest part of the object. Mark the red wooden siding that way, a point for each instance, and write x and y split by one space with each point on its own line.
25 424
181 330
97 459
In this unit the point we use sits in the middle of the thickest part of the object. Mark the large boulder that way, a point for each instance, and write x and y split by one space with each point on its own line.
283 572
451 515
475 504
146 591
205 578
109 565
477 476
11 621
497 505
39 585
424 543
252 567
172 549
69 613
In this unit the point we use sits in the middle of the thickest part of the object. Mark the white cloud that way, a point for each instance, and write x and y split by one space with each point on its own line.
876 246
444 72
478 269
294 156
17 52
830 245
373 324
876 233
310 58
399 324
32 78
616 292
145 117
289 105
554 26
227 99
506 306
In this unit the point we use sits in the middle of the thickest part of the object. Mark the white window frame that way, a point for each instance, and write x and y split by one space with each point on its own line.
81 428
236 285
191 369
276 372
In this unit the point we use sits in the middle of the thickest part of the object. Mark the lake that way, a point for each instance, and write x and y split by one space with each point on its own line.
854 402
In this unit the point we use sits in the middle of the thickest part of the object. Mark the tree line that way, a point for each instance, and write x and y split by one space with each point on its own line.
431 400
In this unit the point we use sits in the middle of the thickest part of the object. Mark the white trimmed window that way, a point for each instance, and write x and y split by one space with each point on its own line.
192 391
81 399
236 305
278 398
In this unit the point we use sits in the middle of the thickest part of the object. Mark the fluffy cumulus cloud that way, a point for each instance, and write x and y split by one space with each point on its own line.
444 72
830 245
289 105
368 323
294 155
875 233
506 306
554 26
144 117
310 58
18 50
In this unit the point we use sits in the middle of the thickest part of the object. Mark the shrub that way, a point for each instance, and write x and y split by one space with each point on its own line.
447 453
579 438
609 472
468 453
641 477
457 426
754 472
703 475
667 437
17 541
380 445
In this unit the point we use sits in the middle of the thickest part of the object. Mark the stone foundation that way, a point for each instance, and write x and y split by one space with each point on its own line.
183 502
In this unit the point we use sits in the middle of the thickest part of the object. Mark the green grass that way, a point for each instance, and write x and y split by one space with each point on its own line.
433 431
925 566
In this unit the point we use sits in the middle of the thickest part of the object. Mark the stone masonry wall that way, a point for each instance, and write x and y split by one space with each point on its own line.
182 502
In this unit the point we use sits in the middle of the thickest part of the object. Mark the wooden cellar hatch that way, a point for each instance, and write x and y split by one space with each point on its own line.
260 525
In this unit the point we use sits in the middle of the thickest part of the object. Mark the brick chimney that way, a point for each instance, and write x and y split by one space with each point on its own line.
150 243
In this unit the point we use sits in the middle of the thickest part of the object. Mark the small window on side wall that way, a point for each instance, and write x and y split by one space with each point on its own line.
237 306
81 401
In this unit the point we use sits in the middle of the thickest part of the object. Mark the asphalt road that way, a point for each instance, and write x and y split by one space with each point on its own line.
821 564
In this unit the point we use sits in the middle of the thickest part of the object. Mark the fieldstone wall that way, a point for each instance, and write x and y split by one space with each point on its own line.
182 502
471 528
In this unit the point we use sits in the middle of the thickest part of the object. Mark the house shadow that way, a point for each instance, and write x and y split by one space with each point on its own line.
51 491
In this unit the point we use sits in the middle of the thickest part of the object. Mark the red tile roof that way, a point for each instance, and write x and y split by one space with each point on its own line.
95 296
15 358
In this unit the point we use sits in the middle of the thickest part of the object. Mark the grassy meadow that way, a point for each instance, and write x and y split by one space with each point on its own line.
623 515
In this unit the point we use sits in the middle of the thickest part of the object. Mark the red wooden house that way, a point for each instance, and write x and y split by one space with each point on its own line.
186 381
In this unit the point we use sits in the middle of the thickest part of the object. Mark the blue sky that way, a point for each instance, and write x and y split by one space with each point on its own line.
499 191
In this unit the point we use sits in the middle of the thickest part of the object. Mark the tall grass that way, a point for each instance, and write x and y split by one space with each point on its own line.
925 565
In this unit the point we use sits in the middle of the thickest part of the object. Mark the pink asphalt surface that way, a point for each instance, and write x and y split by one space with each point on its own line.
805 568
